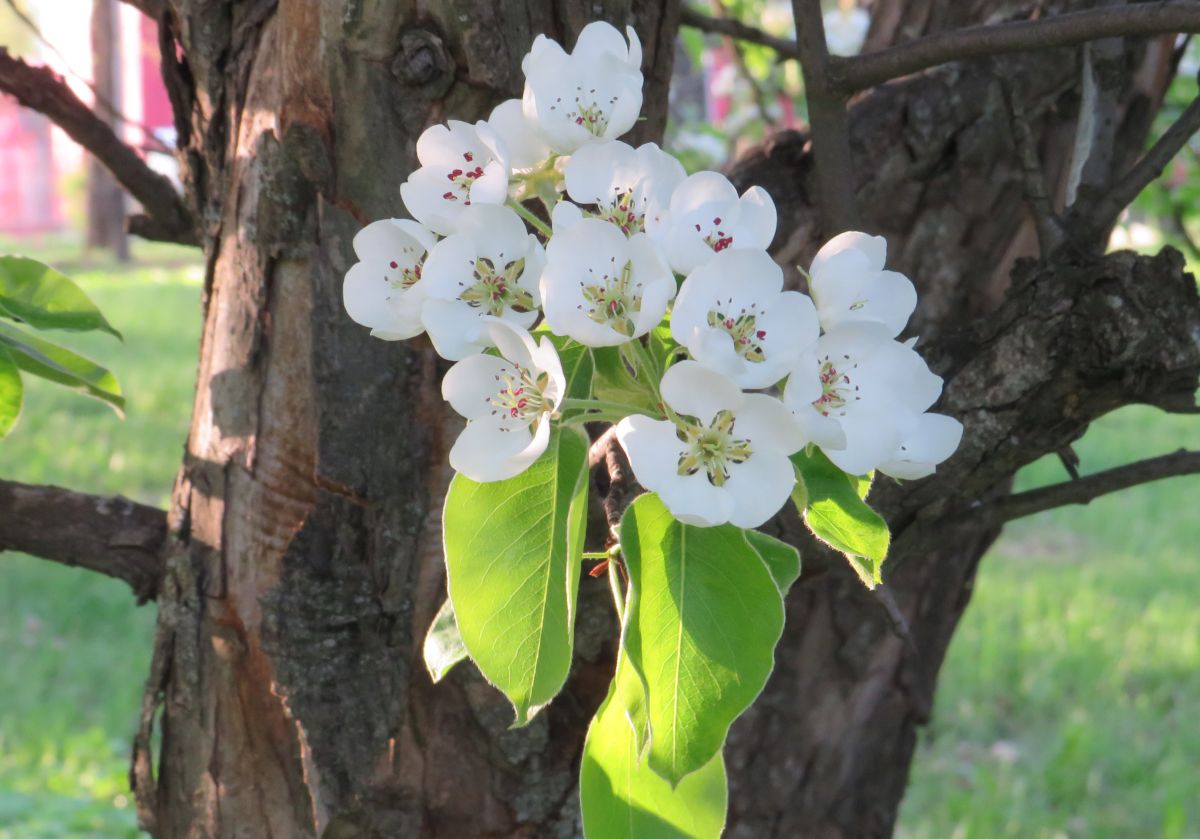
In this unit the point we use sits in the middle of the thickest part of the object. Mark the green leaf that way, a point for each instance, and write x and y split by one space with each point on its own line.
513 554
621 798
614 381
47 360
577 364
837 514
443 643
781 559
11 392
701 631
45 299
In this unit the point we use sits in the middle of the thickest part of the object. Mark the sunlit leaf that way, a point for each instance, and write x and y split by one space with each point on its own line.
11 392
45 299
444 646
47 360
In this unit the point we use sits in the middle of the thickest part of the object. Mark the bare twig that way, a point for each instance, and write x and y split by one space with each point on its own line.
42 90
737 29
1049 228
110 535
827 119
1090 487
1122 193
620 482
1161 18
599 448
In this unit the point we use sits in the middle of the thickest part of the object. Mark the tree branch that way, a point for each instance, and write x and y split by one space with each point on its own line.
738 30
1161 18
1037 196
1089 487
110 535
42 90
830 126
1122 193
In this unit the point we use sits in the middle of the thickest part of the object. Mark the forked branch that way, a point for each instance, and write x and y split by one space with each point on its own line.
1090 487
42 90
110 535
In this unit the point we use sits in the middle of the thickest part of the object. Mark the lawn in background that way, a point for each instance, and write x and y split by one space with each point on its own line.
1067 707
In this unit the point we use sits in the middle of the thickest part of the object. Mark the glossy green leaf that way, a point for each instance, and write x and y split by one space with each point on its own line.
837 514
11 392
616 381
444 646
576 359
47 360
621 798
781 559
513 554
45 299
701 631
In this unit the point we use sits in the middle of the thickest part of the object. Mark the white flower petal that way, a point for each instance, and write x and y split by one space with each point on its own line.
759 488
654 448
520 135
454 329
467 384
872 248
930 440
372 301
694 390
484 452
768 425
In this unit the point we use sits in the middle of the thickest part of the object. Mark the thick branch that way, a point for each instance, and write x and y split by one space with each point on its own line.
863 71
42 90
737 29
830 126
111 535
1089 487
1122 193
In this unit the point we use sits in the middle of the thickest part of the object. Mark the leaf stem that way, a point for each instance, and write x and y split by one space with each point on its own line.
599 405
614 585
530 217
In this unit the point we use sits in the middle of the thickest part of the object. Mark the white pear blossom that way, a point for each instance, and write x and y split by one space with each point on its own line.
601 288
707 217
383 290
520 135
461 165
927 441
490 267
856 394
591 95
727 458
846 29
629 187
507 401
735 318
849 284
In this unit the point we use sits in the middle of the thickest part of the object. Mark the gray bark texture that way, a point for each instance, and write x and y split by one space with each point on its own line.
304 561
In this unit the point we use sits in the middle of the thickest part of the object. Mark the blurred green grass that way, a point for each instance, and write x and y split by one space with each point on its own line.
1067 706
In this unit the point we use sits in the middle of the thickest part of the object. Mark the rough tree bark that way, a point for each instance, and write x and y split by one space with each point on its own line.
303 563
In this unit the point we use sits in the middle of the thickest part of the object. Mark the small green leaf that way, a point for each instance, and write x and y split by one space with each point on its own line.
621 798
513 554
11 392
837 514
443 643
45 299
47 360
577 364
701 631
614 381
781 559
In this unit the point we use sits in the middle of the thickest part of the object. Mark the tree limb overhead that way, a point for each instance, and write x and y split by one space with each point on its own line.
107 534
738 30
1090 487
42 90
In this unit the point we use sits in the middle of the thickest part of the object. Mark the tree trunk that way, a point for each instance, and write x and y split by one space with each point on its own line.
105 198
307 560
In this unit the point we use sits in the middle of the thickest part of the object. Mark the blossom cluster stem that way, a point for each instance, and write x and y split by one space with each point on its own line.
531 217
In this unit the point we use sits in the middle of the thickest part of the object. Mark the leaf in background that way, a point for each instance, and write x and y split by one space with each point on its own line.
47 360
513 554
443 643
615 382
622 798
576 359
701 631
11 392
45 299
781 559
837 514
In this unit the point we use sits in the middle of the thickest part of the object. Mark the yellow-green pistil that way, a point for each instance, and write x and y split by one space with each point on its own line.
711 448
743 329
495 291
613 302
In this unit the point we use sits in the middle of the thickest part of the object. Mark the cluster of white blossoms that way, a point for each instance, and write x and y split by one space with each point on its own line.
633 243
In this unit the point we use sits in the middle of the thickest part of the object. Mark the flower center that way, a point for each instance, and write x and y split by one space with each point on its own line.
711 448
716 238
520 396
623 214
462 179
587 112
494 291
835 387
743 329
614 300
408 277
